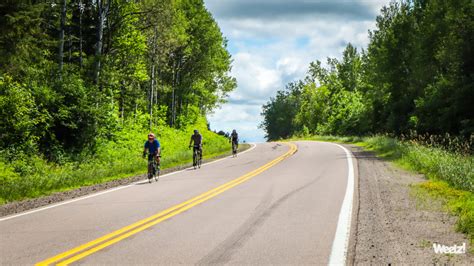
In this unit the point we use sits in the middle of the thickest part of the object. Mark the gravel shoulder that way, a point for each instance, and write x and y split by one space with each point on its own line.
390 226
25 205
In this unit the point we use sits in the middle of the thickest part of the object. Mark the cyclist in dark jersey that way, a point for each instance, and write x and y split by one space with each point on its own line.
234 138
197 139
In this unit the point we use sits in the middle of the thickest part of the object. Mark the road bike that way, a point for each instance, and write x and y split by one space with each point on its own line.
153 169
197 157
234 149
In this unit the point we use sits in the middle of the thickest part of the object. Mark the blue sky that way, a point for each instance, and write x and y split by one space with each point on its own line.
272 43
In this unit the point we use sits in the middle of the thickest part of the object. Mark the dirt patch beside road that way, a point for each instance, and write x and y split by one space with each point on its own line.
392 228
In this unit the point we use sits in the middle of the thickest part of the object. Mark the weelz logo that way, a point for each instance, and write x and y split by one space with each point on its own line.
443 249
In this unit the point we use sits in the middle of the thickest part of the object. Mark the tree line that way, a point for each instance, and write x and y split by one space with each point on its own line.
74 71
416 75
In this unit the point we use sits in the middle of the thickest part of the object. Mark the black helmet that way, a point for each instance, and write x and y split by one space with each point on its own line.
196 131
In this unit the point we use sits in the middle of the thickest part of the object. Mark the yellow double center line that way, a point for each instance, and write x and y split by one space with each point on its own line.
93 246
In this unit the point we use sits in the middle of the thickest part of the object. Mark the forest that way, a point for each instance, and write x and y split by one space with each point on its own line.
82 82
75 71
416 77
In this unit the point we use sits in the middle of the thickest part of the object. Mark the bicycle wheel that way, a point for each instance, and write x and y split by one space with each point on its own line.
157 172
200 160
234 150
150 171
195 159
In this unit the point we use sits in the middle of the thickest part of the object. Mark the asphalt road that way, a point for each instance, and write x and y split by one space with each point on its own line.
270 205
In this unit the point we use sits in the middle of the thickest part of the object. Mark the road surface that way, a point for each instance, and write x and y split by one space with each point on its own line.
278 203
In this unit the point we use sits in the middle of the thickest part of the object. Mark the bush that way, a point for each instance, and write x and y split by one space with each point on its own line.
18 113
458 202
435 163
116 158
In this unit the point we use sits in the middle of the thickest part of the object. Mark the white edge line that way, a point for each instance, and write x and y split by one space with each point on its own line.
341 239
112 189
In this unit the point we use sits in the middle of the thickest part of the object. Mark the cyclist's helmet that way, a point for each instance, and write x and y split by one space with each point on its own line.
233 131
196 131
151 136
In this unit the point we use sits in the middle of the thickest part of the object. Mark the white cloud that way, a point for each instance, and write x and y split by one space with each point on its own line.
280 9
255 79
243 117
273 47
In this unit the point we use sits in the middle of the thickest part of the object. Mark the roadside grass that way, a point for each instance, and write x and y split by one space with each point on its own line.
450 174
31 177
454 201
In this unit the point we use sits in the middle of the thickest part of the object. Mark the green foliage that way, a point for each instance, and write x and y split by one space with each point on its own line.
435 163
280 112
80 89
19 115
153 55
328 101
416 75
458 202
349 116
24 41
314 108
30 176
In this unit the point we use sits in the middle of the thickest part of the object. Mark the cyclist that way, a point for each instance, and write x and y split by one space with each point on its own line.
197 139
154 150
234 139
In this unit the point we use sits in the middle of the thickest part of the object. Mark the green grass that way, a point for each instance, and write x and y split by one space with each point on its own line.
450 174
455 201
435 163
30 177
342 139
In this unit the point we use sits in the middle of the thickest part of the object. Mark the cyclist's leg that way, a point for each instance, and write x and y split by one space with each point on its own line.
158 163
152 160
194 155
150 165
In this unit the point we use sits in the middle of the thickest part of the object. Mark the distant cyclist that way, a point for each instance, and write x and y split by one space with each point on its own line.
153 148
197 139
234 138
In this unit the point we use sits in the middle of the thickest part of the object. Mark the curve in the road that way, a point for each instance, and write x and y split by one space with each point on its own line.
109 190
91 247
341 239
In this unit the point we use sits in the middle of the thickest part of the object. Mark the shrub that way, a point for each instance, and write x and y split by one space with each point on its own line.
119 157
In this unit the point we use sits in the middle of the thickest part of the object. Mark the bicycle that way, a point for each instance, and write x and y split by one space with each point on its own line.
153 169
197 157
234 149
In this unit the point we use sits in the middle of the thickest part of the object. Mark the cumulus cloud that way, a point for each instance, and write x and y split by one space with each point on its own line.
282 9
257 79
273 41
241 116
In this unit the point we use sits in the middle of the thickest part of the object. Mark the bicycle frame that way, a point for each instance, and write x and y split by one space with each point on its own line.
197 156
234 148
153 166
